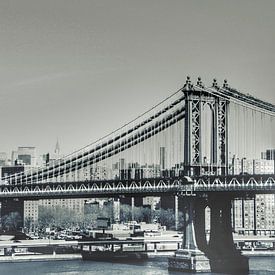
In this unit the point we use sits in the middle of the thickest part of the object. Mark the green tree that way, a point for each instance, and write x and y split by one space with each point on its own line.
166 217
45 217
125 213
11 221
28 223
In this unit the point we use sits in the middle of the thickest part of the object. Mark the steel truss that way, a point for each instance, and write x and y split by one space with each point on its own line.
182 186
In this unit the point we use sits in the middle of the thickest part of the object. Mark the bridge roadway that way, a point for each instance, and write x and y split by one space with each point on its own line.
185 186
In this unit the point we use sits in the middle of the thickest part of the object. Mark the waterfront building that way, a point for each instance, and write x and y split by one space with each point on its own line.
265 214
254 215
31 212
243 216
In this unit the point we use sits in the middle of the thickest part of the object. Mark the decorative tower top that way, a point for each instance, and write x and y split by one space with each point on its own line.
199 83
188 85
215 83
225 84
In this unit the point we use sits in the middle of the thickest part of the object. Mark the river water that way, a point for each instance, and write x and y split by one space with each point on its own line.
258 266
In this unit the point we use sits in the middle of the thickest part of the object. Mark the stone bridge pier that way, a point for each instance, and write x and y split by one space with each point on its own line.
217 255
221 250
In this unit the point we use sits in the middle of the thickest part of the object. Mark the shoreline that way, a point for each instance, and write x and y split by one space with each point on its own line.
78 256
39 258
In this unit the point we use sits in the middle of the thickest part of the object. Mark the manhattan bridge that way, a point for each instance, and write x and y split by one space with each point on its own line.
182 148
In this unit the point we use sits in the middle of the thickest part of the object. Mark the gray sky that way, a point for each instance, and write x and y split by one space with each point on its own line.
78 69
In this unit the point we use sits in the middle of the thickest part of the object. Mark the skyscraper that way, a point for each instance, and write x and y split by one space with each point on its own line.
162 158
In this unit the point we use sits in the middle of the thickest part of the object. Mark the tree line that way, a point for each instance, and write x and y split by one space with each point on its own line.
64 218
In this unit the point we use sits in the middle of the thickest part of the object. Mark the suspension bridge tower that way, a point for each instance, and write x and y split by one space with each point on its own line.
196 254
197 98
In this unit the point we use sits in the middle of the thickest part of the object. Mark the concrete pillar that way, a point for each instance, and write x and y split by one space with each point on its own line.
189 258
189 239
221 228
167 202
223 255
116 209
199 224
138 201
125 200
133 208
134 202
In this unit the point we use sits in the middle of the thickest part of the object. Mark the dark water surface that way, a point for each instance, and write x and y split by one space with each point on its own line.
258 266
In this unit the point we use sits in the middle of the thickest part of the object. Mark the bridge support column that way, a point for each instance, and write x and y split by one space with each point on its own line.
167 202
189 258
133 208
116 210
176 212
223 255
199 224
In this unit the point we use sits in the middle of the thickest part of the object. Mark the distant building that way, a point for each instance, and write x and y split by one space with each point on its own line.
3 159
6 171
151 201
24 156
162 157
236 166
96 172
249 166
270 155
262 166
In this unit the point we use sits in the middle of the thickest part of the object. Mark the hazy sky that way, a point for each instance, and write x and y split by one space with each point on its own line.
78 69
